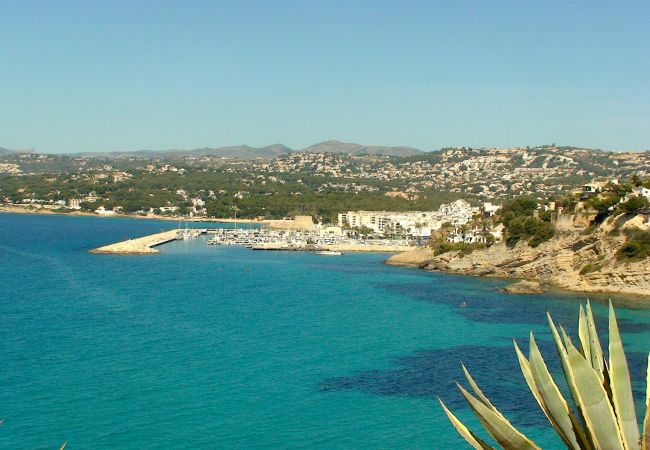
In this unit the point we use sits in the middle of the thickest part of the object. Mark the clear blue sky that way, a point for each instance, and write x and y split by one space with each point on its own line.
127 75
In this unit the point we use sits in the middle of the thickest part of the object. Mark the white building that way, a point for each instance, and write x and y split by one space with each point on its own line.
413 223
642 192
489 209
104 212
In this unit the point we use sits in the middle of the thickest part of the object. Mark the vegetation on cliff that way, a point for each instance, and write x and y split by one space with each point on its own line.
523 221
636 246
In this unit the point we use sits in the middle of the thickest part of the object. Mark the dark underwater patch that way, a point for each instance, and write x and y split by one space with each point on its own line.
433 373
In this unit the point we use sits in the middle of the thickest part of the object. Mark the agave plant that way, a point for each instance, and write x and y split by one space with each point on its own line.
600 414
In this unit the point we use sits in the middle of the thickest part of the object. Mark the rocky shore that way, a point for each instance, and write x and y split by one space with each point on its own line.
577 260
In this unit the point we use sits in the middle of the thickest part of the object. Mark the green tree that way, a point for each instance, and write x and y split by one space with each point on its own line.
635 205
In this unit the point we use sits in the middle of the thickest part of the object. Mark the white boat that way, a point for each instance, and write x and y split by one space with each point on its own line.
188 233
329 253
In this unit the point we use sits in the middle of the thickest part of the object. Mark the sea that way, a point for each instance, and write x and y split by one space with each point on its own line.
222 347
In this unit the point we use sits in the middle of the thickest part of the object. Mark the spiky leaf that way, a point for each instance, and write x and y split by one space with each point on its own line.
499 428
619 376
595 349
583 334
596 408
562 418
646 421
478 392
564 359
465 433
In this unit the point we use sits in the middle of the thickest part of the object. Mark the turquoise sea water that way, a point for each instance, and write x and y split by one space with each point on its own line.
223 347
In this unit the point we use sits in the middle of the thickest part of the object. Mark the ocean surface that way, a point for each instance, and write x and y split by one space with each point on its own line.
222 347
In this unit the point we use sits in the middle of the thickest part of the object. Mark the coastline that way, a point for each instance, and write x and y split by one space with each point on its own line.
531 271
49 212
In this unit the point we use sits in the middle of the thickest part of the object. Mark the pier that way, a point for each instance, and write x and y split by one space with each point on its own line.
140 246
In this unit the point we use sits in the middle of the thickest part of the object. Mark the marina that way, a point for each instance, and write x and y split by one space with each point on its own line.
296 240
261 239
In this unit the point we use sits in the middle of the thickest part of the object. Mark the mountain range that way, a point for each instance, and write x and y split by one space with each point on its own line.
248 152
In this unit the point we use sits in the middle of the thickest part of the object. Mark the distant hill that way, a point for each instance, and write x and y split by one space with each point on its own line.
6 151
238 151
358 149
268 152
243 151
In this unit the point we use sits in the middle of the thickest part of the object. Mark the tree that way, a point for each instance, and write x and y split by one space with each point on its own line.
365 231
635 205
603 414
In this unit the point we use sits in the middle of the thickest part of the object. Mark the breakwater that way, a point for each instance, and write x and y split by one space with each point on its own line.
140 246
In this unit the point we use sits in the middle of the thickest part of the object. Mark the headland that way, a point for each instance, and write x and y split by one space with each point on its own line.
579 259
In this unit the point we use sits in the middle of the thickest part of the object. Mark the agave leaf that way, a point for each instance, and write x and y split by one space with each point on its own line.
528 375
646 422
583 334
478 391
596 408
465 433
561 416
619 376
564 359
565 337
498 426
595 349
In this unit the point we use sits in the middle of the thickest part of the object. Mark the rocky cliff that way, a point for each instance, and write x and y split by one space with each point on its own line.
577 260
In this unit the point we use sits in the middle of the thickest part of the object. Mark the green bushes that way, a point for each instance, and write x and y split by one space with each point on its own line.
521 224
465 249
602 205
635 205
530 229
636 246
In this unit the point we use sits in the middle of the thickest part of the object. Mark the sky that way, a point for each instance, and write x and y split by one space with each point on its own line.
130 75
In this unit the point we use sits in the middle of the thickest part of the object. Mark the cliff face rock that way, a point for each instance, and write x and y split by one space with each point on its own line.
572 260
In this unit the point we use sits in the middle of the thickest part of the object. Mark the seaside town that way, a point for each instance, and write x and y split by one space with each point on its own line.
452 196
295 183
192 259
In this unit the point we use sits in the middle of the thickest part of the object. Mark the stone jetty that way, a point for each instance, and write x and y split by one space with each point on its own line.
140 246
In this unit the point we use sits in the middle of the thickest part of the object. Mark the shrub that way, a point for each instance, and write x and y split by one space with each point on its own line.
635 205
530 229
636 246
465 249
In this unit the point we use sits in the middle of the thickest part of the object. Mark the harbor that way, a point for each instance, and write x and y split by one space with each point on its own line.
261 239
297 240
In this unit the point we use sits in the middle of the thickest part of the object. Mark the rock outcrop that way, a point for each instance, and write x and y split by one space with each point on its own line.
418 257
524 287
575 260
